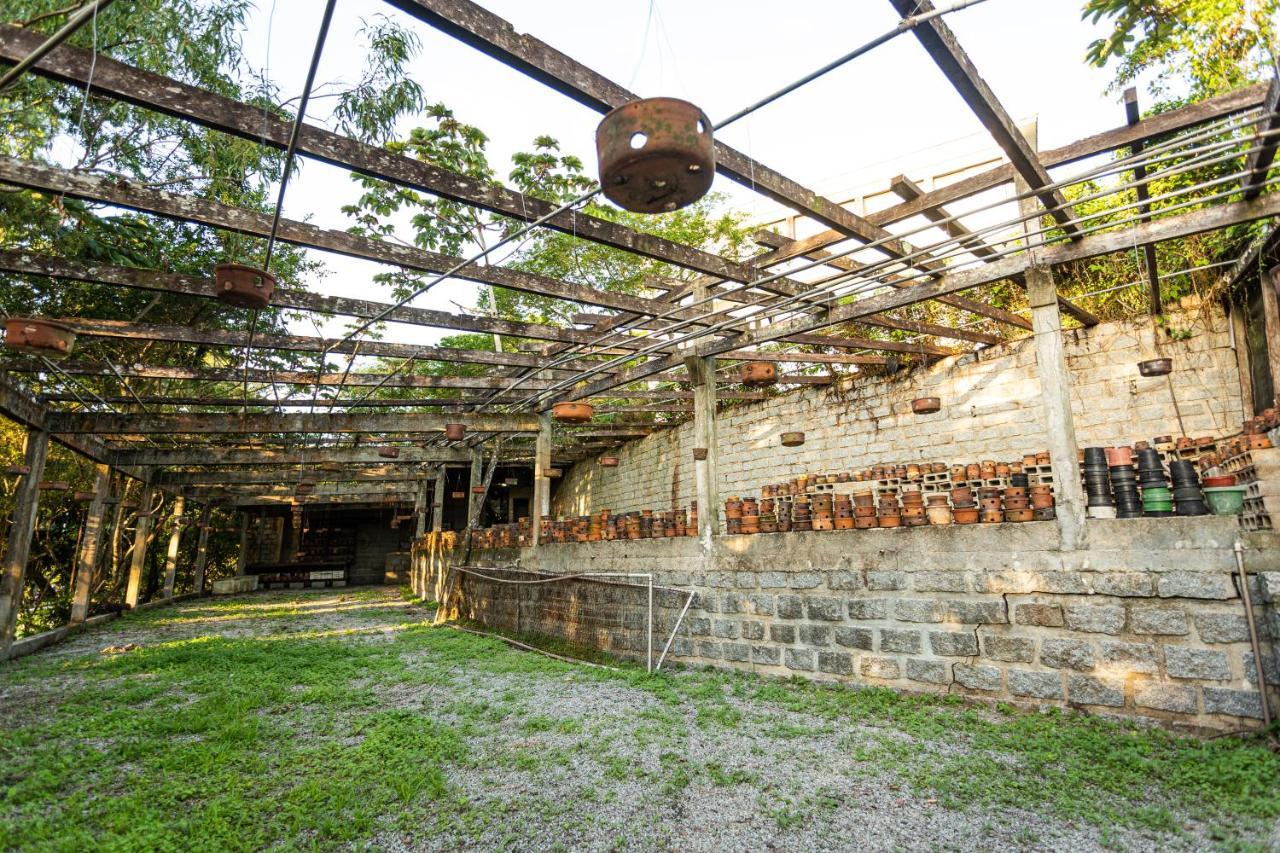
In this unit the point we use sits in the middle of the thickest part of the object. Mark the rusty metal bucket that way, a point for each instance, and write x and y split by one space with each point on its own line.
655 155
40 337
244 286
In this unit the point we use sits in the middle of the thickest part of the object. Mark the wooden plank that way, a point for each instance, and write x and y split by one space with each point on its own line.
287 478
942 45
175 98
1093 245
102 423
1263 153
768 238
1149 128
907 190
30 263
122 193
263 456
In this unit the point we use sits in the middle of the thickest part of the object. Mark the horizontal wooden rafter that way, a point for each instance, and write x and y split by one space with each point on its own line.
261 456
399 422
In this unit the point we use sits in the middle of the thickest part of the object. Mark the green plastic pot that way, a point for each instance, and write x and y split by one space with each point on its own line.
1225 500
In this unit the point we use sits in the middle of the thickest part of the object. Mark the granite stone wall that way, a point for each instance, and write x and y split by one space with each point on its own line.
1144 621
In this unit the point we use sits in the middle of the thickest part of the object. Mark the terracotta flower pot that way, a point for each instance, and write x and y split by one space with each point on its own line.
572 412
243 286
964 516
608 462
756 373
1119 456
699 454
455 432
1156 367
792 439
926 405
389 452
655 154
39 337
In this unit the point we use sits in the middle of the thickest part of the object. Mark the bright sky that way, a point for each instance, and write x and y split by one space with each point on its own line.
887 113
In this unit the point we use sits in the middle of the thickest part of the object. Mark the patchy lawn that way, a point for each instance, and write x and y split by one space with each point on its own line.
341 718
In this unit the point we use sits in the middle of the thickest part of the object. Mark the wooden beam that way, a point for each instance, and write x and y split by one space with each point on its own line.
945 49
175 98
286 478
123 193
1261 155
1093 245
265 456
907 190
30 263
1124 136
403 422
494 36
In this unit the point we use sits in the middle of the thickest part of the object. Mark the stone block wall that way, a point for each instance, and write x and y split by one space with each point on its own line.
991 410
1146 621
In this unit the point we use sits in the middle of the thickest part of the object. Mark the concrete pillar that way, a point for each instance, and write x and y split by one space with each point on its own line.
437 499
477 479
541 482
175 542
1055 382
202 551
702 375
90 545
26 501
141 531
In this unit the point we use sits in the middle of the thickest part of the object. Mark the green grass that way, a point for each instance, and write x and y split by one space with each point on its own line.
293 738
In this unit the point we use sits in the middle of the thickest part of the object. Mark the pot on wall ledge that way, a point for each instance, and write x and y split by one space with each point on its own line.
926 405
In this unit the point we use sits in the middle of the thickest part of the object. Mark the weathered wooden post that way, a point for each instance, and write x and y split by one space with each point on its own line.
477 479
702 376
26 501
202 550
141 532
87 559
175 542
242 558
437 499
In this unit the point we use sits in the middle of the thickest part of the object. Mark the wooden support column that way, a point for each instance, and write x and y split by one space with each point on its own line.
242 559
202 551
26 501
477 479
1133 116
541 482
420 508
437 500
87 560
141 532
175 542
1055 382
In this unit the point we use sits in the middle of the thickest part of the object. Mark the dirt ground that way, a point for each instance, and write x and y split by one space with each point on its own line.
370 728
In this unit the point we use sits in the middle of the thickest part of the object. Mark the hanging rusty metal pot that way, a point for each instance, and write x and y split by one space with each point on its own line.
477 490
39 337
552 473
757 373
512 481
243 286
608 461
53 486
572 412
792 439
655 155
455 432
18 470
457 496
85 496
389 452
926 405
1156 367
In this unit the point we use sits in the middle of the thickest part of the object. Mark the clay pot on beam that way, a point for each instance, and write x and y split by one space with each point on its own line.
455 432
243 286
655 155
572 412
389 452
757 373
39 337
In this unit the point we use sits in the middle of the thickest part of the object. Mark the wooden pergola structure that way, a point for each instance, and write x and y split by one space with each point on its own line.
654 353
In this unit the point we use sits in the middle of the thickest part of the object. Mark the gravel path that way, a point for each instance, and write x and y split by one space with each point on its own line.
563 757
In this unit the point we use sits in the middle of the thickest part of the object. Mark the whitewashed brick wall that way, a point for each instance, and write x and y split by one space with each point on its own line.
991 410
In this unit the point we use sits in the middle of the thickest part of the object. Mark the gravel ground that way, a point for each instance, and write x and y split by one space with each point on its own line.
569 758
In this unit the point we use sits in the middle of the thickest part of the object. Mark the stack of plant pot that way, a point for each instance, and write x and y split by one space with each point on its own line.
1097 484
913 514
991 505
964 508
864 510
1124 482
823 511
1017 506
1042 503
843 512
1187 497
938 509
1157 499
888 511
801 520
1222 494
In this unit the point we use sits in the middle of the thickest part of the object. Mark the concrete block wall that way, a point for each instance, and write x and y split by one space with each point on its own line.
991 410
1146 621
